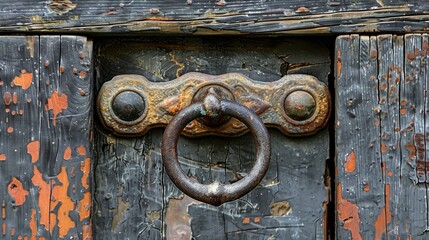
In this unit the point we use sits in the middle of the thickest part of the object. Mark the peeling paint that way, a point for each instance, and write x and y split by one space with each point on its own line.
60 193
385 216
84 206
24 80
33 149
57 103
87 232
281 208
33 224
17 191
177 219
43 198
338 63
348 213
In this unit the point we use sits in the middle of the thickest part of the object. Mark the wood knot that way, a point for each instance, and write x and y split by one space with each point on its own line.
61 6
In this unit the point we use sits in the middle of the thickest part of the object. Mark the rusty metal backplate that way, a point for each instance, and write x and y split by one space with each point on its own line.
130 105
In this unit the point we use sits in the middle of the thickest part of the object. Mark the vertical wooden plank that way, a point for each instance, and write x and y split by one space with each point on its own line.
38 202
358 183
394 145
19 135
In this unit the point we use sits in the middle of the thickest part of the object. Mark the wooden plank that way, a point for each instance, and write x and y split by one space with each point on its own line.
38 201
145 204
392 116
214 17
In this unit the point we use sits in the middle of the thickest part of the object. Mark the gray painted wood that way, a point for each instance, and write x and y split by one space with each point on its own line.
380 103
45 149
214 16
135 199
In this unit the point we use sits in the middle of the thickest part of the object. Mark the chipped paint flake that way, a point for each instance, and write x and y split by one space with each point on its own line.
348 213
33 224
24 80
44 197
3 157
85 168
350 165
60 193
81 150
84 206
33 149
67 153
57 103
17 191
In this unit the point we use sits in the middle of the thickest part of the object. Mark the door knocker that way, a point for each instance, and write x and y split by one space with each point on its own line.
197 104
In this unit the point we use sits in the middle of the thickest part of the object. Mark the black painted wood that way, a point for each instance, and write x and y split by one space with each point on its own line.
45 150
135 199
380 136
214 16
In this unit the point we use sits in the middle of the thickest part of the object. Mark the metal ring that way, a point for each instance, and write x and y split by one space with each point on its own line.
216 193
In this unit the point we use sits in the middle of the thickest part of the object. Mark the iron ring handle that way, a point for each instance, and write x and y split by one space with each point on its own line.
216 193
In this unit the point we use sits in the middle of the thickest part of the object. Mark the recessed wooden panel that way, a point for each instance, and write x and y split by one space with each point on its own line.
135 199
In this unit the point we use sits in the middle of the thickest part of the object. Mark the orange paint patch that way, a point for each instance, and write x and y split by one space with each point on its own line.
10 129
17 192
390 173
403 111
57 103
85 167
339 65
3 226
246 220
60 193
67 153
350 165
87 232
385 216
3 157
33 224
33 150
257 219
81 150
348 214
84 206
366 188
44 198
24 80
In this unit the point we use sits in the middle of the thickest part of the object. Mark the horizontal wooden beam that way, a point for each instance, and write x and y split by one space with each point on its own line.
208 17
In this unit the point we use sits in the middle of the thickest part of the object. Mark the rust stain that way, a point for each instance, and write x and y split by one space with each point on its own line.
339 65
17 191
33 224
7 97
33 150
81 150
350 165
24 80
177 218
67 153
348 213
15 98
383 148
302 10
60 193
385 216
57 103
84 206
85 167
3 157
181 66
44 197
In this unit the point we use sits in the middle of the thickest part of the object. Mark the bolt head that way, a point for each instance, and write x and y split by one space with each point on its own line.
299 105
128 106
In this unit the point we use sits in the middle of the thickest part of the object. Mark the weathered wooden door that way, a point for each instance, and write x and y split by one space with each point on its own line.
50 136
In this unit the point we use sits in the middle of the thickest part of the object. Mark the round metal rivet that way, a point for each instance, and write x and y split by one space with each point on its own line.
300 105
128 106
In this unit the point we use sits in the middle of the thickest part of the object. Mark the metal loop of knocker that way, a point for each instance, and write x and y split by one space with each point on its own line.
216 193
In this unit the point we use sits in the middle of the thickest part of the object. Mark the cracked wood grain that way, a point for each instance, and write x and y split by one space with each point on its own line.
201 17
